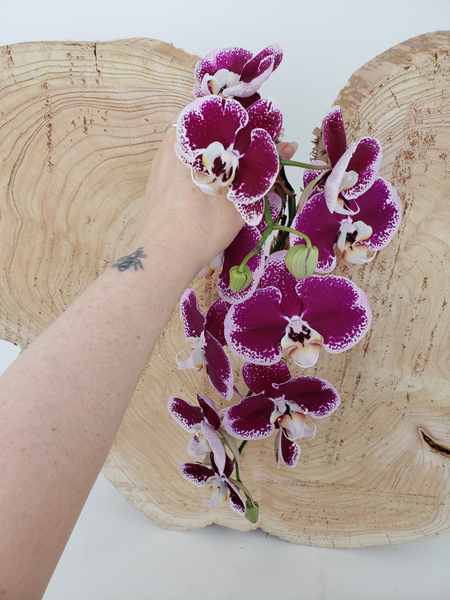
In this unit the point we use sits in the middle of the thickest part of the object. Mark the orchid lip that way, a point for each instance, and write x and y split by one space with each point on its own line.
220 163
198 355
349 179
302 343
220 81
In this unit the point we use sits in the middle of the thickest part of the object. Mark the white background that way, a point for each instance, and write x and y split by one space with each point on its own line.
115 552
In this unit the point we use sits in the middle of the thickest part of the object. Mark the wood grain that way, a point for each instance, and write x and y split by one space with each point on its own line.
79 126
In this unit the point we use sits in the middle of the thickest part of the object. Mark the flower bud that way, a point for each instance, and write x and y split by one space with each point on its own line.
301 261
240 279
252 511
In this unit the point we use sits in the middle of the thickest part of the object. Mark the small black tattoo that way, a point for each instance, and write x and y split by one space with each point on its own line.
131 260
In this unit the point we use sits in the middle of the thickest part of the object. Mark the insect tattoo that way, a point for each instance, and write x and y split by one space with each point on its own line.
131 260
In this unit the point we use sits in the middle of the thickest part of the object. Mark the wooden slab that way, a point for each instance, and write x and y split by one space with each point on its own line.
79 126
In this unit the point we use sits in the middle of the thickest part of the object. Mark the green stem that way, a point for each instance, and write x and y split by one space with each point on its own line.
290 230
302 165
242 446
236 466
292 209
260 244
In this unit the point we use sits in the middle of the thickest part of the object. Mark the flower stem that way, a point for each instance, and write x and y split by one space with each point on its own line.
236 466
302 165
260 244
289 230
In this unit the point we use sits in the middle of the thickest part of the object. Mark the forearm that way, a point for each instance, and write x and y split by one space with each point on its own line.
61 404
62 400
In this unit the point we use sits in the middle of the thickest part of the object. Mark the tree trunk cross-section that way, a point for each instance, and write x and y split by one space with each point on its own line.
79 125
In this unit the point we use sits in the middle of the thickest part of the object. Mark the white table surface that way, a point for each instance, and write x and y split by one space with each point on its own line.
115 553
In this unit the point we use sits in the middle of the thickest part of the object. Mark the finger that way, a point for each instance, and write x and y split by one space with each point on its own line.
287 149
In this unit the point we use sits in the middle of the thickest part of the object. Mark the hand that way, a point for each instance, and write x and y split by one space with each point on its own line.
178 215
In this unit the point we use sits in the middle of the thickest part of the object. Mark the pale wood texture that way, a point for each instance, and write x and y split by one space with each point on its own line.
79 125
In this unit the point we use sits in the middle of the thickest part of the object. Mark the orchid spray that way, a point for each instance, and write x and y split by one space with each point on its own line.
282 304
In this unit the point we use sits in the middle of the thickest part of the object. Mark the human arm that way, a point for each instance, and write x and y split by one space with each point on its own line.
62 400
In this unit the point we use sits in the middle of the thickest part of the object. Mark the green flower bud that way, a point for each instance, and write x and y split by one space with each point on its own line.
252 511
240 278
301 261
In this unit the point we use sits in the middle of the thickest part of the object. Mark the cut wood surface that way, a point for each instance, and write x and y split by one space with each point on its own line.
79 125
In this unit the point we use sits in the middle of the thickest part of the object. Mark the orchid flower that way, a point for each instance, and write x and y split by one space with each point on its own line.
244 242
222 487
206 349
296 317
235 72
281 403
205 423
228 147
354 168
376 218
213 264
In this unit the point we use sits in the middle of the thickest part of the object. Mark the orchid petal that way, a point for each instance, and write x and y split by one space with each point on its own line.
336 308
288 450
214 320
312 394
254 328
236 501
215 444
381 208
191 317
276 274
264 114
244 89
229 466
261 378
366 162
218 367
309 175
209 410
233 59
258 64
196 473
251 213
207 120
334 135
258 169
250 419
184 413
334 180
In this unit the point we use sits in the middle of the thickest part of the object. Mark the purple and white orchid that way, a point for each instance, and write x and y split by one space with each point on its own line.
228 147
270 307
206 349
296 317
375 218
281 404
353 168
205 423
221 485
235 72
